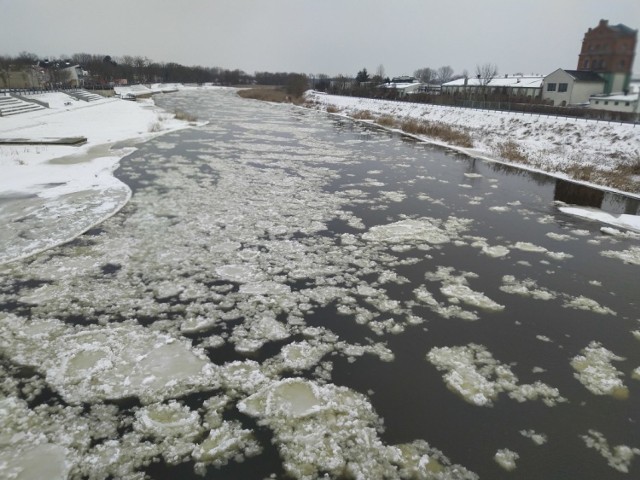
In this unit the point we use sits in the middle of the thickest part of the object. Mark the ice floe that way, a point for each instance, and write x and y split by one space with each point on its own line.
594 369
473 373
106 362
619 457
506 459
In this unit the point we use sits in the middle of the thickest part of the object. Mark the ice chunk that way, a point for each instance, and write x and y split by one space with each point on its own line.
506 459
632 255
110 362
537 438
619 458
408 231
595 371
35 463
473 373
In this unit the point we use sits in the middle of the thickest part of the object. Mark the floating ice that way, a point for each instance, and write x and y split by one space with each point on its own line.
632 255
35 463
583 303
619 458
408 231
478 378
525 288
106 363
332 430
506 459
537 438
461 292
595 371
167 420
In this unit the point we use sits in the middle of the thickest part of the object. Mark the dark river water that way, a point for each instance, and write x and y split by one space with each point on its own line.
376 292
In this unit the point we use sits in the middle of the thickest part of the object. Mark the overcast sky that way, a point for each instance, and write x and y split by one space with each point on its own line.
316 36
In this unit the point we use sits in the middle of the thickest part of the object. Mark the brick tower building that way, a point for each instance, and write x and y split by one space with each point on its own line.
609 50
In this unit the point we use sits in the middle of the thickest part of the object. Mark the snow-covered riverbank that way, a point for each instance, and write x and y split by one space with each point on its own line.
49 194
594 152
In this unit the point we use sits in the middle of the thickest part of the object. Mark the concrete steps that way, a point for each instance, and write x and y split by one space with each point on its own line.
15 106
86 96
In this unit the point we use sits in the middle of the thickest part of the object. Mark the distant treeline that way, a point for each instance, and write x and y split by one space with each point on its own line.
105 69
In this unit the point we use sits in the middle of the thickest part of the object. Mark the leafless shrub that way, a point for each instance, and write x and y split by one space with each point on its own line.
271 94
438 130
362 115
510 150
581 172
386 121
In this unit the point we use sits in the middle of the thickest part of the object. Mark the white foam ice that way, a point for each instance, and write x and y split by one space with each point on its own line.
106 362
473 373
595 370
630 256
619 457
506 459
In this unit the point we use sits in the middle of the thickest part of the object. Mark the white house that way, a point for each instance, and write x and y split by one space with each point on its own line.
571 87
512 85
403 86
615 103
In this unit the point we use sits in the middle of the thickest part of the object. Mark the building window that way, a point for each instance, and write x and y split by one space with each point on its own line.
597 102
615 103
551 87
606 102
621 63
626 104
586 63
562 87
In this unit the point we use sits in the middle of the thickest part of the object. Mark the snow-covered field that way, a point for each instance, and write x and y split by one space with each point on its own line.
51 193
564 147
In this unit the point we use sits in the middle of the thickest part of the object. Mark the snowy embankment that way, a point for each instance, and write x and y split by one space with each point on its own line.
50 194
595 153
564 147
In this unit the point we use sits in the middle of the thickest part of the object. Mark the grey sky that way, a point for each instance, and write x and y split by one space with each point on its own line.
316 36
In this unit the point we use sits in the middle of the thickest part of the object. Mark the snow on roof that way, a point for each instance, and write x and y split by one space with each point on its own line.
585 75
619 97
520 81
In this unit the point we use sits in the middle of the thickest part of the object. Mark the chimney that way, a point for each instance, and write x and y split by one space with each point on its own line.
603 23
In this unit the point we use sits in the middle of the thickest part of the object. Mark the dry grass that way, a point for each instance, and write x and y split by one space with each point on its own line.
362 115
438 130
332 109
581 172
386 121
270 94
182 115
510 150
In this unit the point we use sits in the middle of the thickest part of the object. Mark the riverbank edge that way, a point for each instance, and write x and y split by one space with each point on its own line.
470 152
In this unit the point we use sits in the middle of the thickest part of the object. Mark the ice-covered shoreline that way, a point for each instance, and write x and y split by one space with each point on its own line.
50 194
552 145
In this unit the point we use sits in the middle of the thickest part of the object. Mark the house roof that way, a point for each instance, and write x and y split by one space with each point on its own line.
615 97
516 81
585 75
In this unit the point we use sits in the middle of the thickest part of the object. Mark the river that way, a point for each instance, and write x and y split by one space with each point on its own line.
293 293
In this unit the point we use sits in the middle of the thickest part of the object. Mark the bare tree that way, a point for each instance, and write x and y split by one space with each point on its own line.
380 71
444 74
486 72
425 75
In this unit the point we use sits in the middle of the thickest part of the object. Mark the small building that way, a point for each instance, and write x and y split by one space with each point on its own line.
571 87
509 85
615 103
402 86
